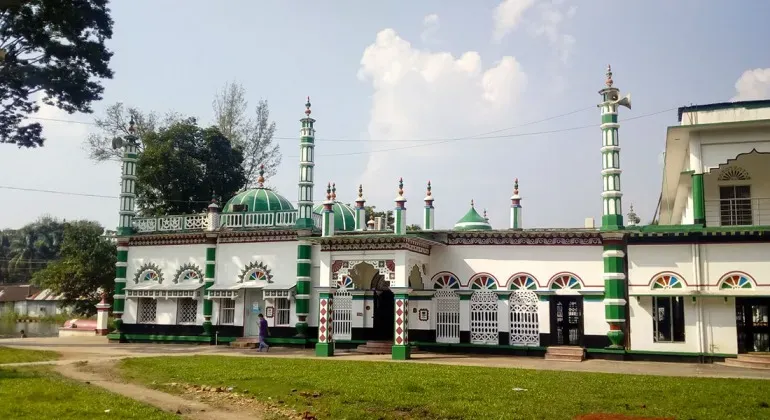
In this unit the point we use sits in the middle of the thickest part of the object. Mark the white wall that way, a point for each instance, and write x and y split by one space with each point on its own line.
542 262
279 257
758 167
645 261
720 259
168 258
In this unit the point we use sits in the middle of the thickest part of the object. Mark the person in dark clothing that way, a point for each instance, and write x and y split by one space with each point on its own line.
262 334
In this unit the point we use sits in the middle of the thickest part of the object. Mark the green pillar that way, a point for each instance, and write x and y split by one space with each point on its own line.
302 299
208 280
615 286
306 156
119 297
698 200
612 211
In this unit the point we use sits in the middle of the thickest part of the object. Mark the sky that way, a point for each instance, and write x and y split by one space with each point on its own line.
467 94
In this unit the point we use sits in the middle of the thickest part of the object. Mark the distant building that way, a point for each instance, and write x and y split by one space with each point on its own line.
29 301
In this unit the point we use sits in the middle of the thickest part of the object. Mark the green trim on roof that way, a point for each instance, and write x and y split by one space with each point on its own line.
259 200
344 216
472 221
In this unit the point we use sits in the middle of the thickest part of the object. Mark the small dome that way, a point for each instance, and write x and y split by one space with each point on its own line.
344 216
258 200
472 221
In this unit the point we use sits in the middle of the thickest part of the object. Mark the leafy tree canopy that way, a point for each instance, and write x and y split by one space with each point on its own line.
183 165
55 47
29 249
86 267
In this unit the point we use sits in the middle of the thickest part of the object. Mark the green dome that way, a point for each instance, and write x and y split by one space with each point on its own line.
472 221
344 216
258 200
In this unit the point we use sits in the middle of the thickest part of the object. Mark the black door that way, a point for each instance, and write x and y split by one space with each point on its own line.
751 321
384 315
566 320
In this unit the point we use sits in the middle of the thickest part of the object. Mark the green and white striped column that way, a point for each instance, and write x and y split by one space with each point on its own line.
615 288
327 215
209 278
399 215
306 152
516 206
428 219
119 297
612 213
360 210
302 299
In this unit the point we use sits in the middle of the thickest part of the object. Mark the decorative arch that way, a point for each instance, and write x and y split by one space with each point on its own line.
386 268
483 281
445 280
522 281
667 280
255 271
734 173
345 282
189 273
736 280
565 281
149 272
414 278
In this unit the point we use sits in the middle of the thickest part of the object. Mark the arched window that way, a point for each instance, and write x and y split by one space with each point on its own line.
667 281
522 282
148 273
445 281
565 281
483 282
736 280
189 273
255 272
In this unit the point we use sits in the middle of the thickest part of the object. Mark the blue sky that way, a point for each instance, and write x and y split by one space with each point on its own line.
386 75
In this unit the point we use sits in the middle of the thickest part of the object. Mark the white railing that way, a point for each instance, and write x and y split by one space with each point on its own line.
738 212
262 219
171 223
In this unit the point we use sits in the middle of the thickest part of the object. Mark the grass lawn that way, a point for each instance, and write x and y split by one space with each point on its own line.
9 355
37 393
381 390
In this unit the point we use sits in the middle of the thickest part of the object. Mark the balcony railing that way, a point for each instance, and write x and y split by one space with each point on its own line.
200 222
738 212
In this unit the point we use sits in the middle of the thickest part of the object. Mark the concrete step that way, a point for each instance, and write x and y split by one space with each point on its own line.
563 358
379 347
244 343
750 361
565 353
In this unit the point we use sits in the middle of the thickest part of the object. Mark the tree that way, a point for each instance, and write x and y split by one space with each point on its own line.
29 249
182 166
115 124
55 47
413 227
254 136
85 270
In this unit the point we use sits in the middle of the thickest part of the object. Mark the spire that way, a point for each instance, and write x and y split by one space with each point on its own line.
399 216
329 192
633 219
334 192
360 210
609 81
261 179
131 129
307 107
428 218
471 203
360 192
429 196
515 206
485 216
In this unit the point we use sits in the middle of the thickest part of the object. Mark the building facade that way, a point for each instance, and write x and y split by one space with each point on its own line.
692 285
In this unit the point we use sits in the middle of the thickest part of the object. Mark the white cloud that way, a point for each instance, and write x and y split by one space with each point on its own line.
546 19
752 85
419 94
430 27
508 14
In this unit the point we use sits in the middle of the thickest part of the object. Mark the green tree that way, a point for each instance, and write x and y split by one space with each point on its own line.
85 269
55 47
32 247
183 165
413 227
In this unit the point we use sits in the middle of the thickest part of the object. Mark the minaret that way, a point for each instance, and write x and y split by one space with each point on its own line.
516 207
615 284
127 197
306 154
327 223
428 222
399 216
612 215
304 220
360 210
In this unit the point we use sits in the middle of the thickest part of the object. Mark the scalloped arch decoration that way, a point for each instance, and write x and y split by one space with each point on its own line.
734 173
256 271
736 280
149 272
188 273
483 281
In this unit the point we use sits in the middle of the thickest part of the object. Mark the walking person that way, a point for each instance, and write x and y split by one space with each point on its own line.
262 334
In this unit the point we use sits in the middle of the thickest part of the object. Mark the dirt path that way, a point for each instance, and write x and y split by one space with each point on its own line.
188 408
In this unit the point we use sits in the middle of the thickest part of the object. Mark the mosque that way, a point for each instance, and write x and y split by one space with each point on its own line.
694 285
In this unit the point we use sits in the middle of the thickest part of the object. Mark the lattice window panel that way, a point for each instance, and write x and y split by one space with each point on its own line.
282 312
484 329
342 320
148 309
525 326
447 316
187 311
226 312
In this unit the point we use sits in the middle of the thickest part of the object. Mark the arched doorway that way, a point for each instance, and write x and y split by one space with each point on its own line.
384 308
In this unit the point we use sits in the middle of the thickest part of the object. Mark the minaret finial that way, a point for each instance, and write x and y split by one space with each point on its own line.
400 187
334 191
609 76
485 215
329 192
360 191
516 186
307 107
429 188
261 178
471 202
131 128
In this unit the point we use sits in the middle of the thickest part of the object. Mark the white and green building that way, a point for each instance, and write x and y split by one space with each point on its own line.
693 285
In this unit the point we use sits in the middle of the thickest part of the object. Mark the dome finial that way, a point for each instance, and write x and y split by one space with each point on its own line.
360 191
485 215
334 191
609 76
429 188
471 202
400 187
131 125
307 107
329 192
261 178
516 186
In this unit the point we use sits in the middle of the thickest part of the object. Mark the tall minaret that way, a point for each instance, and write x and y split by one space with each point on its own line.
615 280
127 197
612 214
428 221
306 152
516 206
360 209
304 220
399 215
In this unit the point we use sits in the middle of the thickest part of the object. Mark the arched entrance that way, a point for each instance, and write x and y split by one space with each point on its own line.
384 309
